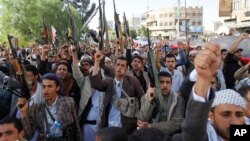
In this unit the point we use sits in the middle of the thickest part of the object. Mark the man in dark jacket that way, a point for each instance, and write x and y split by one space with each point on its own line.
233 62
122 86
227 107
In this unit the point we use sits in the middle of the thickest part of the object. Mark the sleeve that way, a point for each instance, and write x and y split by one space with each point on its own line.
199 98
146 109
69 62
77 74
194 127
182 58
29 124
98 83
240 73
42 67
76 121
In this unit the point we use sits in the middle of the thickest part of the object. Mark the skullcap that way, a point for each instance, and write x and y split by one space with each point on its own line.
107 59
136 53
228 96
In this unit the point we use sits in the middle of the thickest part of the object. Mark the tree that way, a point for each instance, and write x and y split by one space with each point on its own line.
23 18
82 6
133 33
143 31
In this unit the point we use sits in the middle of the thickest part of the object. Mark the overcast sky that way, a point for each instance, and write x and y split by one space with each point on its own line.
138 7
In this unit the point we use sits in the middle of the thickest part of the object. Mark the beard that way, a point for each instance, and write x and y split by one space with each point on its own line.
165 93
224 133
136 68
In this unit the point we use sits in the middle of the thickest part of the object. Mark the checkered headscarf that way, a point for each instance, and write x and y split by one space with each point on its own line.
228 97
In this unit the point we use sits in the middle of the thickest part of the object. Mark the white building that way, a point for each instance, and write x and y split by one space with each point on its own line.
215 27
162 22
240 17
134 23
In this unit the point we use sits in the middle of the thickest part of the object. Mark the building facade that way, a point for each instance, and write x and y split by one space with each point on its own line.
163 22
240 17
212 27
134 23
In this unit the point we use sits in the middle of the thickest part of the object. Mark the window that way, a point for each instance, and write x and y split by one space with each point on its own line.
170 23
235 4
247 4
194 14
166 24
193 23
200 14
149 24
199 23
161 24
239 4
181 23
165 15
170 15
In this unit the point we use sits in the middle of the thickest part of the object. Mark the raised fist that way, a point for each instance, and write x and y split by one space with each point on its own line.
244 36
208 61
98 56
46 48
150 94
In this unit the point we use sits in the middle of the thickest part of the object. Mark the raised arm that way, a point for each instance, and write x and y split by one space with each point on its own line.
27 118
77 74
194 127
241 73
237 42
97 81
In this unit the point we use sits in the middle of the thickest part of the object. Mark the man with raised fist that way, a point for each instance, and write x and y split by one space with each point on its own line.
120 92
224 108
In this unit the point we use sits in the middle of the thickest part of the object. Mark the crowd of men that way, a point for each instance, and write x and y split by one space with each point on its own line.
88 94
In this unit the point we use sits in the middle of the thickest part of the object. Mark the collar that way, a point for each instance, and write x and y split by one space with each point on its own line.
168 96
140 73
117 82
54 104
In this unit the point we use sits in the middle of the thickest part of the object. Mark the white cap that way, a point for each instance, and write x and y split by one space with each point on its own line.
136 53
107 59
228 96
86 58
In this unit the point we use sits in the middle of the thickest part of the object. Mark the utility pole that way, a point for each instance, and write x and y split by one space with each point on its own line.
186 32
178 20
